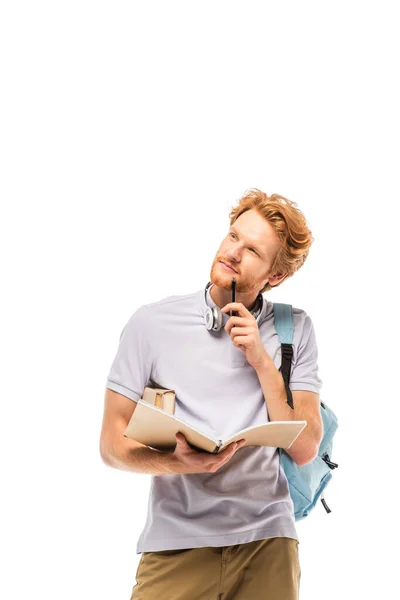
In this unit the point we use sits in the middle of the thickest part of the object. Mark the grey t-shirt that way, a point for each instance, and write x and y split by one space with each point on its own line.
166 343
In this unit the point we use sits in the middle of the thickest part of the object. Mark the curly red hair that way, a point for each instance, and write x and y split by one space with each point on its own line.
289 225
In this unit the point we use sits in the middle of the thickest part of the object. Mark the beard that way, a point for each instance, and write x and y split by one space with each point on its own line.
223 279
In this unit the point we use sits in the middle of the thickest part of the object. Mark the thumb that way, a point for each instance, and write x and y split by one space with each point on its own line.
179 437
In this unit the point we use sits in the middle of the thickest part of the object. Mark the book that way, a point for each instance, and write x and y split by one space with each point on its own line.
161 397
156 428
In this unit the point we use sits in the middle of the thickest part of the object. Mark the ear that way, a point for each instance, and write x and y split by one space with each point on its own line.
273 280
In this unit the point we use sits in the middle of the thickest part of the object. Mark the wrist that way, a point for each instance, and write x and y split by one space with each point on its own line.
266 365
173 464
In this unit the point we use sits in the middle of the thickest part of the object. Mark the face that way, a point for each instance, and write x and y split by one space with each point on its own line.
249 248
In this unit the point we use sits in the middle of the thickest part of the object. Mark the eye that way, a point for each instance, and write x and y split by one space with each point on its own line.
252 249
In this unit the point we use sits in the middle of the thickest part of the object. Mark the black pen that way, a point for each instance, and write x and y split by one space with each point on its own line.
233 312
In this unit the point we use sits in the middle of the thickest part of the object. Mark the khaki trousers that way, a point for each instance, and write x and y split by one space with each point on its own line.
266 569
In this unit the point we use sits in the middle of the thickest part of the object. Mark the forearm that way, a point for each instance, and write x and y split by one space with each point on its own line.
274 392
141 460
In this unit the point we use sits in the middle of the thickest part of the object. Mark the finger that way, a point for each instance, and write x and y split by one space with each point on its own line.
240 443
241 331
241 324
223 457
241 340
232 448
238 307
226 457
186 447
228 451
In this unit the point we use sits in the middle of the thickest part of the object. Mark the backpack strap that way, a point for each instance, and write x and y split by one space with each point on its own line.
284 326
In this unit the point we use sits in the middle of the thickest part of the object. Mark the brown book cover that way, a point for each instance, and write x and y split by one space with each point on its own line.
160 397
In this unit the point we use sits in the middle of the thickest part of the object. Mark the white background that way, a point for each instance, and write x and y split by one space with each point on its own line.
128 130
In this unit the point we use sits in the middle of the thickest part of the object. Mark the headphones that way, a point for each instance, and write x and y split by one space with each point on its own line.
213 315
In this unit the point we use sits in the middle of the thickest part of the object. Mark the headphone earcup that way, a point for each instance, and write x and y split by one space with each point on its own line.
213 318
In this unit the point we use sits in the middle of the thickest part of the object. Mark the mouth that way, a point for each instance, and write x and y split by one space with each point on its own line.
227 267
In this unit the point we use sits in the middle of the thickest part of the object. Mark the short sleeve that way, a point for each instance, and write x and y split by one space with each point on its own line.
304 372
131 368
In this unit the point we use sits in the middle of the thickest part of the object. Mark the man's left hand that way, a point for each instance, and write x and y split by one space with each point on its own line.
245 334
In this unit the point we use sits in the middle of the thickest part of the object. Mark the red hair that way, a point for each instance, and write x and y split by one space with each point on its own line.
289 225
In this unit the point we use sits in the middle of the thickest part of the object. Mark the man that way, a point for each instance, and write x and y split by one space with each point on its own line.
221 527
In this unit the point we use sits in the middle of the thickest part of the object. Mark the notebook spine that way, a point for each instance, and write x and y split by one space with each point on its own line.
217 447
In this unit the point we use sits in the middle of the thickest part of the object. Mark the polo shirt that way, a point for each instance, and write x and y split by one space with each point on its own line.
166 344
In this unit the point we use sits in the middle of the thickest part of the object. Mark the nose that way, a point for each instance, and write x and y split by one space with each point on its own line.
234 255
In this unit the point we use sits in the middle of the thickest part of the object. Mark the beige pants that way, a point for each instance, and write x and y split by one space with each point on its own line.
267 569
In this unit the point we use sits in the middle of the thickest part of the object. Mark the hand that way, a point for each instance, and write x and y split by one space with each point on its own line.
188 460
245 334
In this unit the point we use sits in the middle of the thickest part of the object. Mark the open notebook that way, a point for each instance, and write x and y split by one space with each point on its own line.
156 428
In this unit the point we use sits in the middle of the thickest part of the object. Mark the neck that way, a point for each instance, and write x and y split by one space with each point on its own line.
223 297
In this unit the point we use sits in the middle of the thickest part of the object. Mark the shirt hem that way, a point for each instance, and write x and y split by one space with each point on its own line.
121 389
303 386
214 540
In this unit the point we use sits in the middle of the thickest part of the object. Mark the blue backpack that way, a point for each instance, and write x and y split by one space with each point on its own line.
308 482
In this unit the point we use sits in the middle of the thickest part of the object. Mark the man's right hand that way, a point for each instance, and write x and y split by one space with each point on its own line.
186 460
